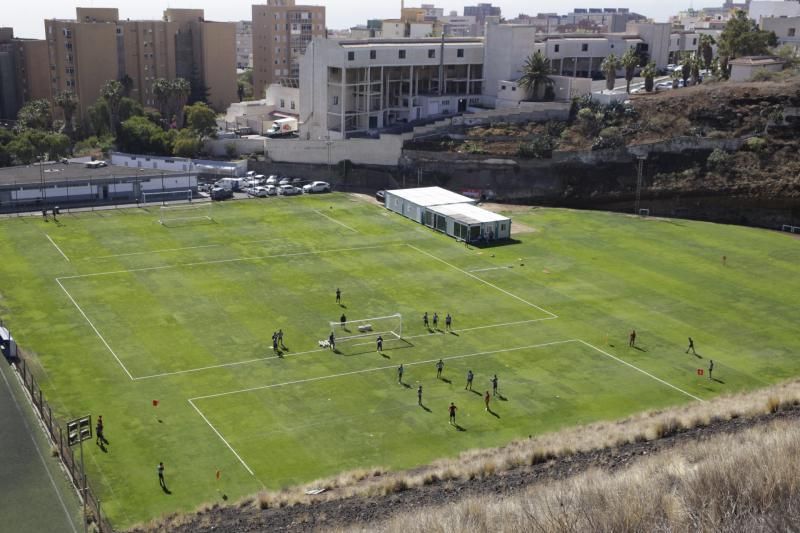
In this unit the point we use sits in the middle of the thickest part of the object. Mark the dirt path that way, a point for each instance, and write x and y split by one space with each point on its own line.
360 512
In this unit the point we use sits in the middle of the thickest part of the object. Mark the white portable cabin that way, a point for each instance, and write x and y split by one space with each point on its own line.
467 222
411 203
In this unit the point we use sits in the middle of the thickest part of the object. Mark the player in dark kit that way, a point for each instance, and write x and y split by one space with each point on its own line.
710 368
425 319
332 341
448 322
470 376
435 321
452 410
419 395
691 346
338 295
632 338
380 343
400 371
494 385
439 368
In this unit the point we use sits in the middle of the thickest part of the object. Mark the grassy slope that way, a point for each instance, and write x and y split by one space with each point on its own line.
602 274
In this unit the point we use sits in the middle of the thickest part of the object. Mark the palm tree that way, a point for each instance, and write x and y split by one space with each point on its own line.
676 76
707 43
649 75
535 74
68 103
696 64
609 67
629 61
686 70
111 92
180 89
161 92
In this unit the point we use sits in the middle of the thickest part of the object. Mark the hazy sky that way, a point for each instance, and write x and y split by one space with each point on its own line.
26 16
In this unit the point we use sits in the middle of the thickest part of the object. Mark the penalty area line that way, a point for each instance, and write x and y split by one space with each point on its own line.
57 248
320 213
552 315
199 412
646 373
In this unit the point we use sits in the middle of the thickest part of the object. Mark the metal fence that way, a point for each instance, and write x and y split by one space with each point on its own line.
59 440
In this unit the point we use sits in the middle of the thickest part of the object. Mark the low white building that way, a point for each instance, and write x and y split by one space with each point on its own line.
350 88
411 203
744 68
467 222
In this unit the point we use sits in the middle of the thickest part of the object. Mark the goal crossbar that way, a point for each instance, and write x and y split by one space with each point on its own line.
368 327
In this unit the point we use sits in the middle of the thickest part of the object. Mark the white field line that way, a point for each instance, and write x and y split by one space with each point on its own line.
78 307
444 332
219 261
490 268
553 315
57 248
320 213
199 412
379 368
29 431
648 374
164 250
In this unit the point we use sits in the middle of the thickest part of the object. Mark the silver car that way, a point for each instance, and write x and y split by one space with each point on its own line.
289 190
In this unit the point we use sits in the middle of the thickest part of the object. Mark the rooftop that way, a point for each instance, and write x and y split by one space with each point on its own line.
757 61
410 42
429 196
468 214
70 173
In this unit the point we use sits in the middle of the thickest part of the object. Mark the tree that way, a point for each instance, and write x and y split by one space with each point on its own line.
696 63
127 85
128 107
98 117
140 136
201 119
741 37
187 143
198 92
68 104
35 115
686 70
629 61
535 74
649 75
706 48
162 91
676 77
111 92
609 67
181 91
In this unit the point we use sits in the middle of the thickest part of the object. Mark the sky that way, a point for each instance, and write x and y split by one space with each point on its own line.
27 16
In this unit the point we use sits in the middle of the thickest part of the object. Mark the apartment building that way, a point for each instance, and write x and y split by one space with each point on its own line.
282 31
244 44
761 9
481 12
605 20
85 53
23 72
348 88
787 29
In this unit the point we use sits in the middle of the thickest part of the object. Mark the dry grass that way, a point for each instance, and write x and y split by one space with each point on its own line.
742 482
480 463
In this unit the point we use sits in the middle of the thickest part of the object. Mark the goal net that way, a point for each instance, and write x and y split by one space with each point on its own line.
184 212
162 197
384 326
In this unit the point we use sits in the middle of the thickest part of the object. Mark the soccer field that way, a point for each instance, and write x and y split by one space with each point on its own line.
120 310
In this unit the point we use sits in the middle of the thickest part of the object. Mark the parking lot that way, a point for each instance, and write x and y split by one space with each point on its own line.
261 186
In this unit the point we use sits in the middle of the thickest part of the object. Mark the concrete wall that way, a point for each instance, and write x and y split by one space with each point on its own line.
383 151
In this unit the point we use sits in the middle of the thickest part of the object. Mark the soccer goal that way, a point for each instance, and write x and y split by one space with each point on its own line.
163 197
184 213
368 327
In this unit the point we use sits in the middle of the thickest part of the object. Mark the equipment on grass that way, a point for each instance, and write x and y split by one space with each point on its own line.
184 195
184 212
368 327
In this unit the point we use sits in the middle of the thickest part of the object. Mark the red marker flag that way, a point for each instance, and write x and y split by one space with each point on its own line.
155 403
699 371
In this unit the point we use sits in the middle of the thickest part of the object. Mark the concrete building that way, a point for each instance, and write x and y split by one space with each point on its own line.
580 55
600 20
455 26
244 44
349 88
411 203
481 12
281 34
23 72
744 68
97 47
760 9
786 28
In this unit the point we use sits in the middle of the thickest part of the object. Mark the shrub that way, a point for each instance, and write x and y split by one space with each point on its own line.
755 144
230 150
539 147
718 160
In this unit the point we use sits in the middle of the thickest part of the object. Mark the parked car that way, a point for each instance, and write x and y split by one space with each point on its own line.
317 186
272 190
273 180
219 193
380 196
296 181
289 190
259 192
285 181
204 187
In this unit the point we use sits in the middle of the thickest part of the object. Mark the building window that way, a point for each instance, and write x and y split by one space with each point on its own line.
557 48
502 87
431 53
335 100
585 47
351 56
513 88
291 104
283 104
790 32
401 54
694 41
373 54
460 52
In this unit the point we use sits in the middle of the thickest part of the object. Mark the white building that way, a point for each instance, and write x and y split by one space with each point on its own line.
744 68
787 29
760 9
457 26
351 87
411 203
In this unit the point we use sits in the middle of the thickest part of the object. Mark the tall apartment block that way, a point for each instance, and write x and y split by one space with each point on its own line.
281 34
97 47
244 44
23 73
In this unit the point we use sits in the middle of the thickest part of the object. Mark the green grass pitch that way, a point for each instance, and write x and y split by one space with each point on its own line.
120 310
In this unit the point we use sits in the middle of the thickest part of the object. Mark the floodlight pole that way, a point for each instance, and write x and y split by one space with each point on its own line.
639 169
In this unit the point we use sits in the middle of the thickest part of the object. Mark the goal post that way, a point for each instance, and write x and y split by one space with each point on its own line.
391 325
184 212
162 197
